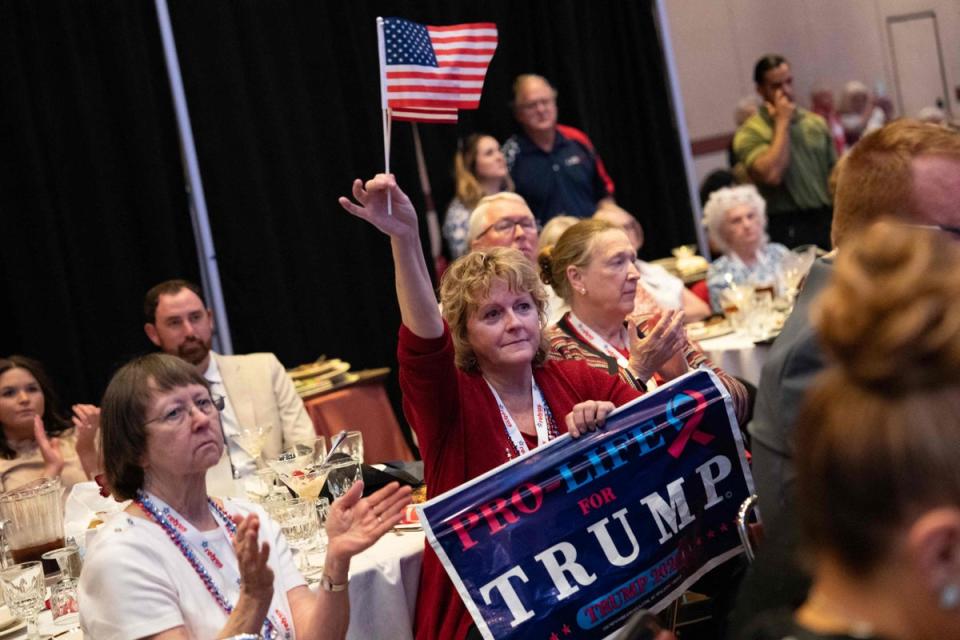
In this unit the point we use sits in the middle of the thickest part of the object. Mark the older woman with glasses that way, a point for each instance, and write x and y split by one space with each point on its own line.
477 387
592 268
178 564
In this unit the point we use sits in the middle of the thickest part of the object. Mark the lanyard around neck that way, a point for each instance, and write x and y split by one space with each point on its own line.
541 418
592 338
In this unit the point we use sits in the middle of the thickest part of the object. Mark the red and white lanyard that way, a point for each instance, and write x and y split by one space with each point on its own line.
541 418
598 343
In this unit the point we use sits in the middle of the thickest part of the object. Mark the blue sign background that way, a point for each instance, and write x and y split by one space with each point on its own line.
527 521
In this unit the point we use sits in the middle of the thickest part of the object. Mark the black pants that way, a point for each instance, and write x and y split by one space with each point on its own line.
804 226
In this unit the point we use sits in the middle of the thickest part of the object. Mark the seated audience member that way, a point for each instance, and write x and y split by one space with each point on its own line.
668 290
177 563
906 169
255 387
477 386
860 113
736 221
593 270
555 167
35 441
822 104
503 220
877 442
479 170
553 230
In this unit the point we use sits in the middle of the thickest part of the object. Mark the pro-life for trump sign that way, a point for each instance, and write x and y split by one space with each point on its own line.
568 540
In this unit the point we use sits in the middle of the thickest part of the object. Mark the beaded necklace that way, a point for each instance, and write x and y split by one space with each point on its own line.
160 517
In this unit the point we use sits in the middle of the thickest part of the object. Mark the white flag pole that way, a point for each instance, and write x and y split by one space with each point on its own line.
382 51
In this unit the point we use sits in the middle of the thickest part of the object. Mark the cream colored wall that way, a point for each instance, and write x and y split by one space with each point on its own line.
717 42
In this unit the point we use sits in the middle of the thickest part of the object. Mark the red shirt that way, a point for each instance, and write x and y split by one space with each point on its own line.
461 436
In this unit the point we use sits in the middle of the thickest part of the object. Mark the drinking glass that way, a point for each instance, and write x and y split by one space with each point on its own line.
262 484
303 471
24 591
63 596
323 511
737 302
253 439
344 462
300 524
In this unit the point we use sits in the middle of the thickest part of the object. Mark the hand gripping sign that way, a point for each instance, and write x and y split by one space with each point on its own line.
571 538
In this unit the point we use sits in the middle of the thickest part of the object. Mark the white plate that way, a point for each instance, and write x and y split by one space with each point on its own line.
17 627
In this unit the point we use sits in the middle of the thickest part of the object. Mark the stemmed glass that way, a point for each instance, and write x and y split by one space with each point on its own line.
298 519
301 468
253 439
24 591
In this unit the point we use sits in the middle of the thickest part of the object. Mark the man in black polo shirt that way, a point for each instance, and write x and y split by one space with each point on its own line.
554 167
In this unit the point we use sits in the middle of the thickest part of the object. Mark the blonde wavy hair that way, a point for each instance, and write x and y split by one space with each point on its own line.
466 285
879 436
468 188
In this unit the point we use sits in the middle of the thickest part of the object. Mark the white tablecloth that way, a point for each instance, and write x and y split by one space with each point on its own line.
383 587
736 354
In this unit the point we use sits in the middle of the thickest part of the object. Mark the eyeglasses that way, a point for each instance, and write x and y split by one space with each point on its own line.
505 225
178 415
954 231
533 104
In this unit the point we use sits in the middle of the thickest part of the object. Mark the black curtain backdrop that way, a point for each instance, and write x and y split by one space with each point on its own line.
284 100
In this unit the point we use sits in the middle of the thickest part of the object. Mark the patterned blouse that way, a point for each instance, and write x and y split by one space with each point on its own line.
765 269
567 344
455 228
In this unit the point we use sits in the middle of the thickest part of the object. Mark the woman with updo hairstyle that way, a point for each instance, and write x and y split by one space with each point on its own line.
878 444
478 388
479 169
592 268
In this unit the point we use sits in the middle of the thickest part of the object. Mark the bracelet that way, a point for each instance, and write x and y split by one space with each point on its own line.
244 636
328 585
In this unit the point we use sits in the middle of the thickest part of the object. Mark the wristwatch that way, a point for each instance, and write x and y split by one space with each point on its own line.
328 585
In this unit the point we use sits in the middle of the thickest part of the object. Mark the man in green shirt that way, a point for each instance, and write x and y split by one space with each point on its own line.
788 152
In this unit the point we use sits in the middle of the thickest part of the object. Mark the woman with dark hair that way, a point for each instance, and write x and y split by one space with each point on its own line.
477 386
35 440
178 564
877 444
479 169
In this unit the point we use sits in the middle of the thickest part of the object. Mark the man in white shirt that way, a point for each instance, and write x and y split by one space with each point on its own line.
255 387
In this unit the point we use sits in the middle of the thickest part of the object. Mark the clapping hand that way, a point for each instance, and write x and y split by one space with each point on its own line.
372 197
661 349
49 450
86 420
355 523
256 576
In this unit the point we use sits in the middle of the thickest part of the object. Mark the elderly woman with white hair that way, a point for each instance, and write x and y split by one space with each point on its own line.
736 220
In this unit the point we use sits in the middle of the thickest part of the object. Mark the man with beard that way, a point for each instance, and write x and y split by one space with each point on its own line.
255 387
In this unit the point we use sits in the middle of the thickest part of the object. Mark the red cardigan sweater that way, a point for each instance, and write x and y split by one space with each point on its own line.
461 436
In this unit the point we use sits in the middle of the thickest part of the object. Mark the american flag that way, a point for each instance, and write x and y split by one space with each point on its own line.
431 72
